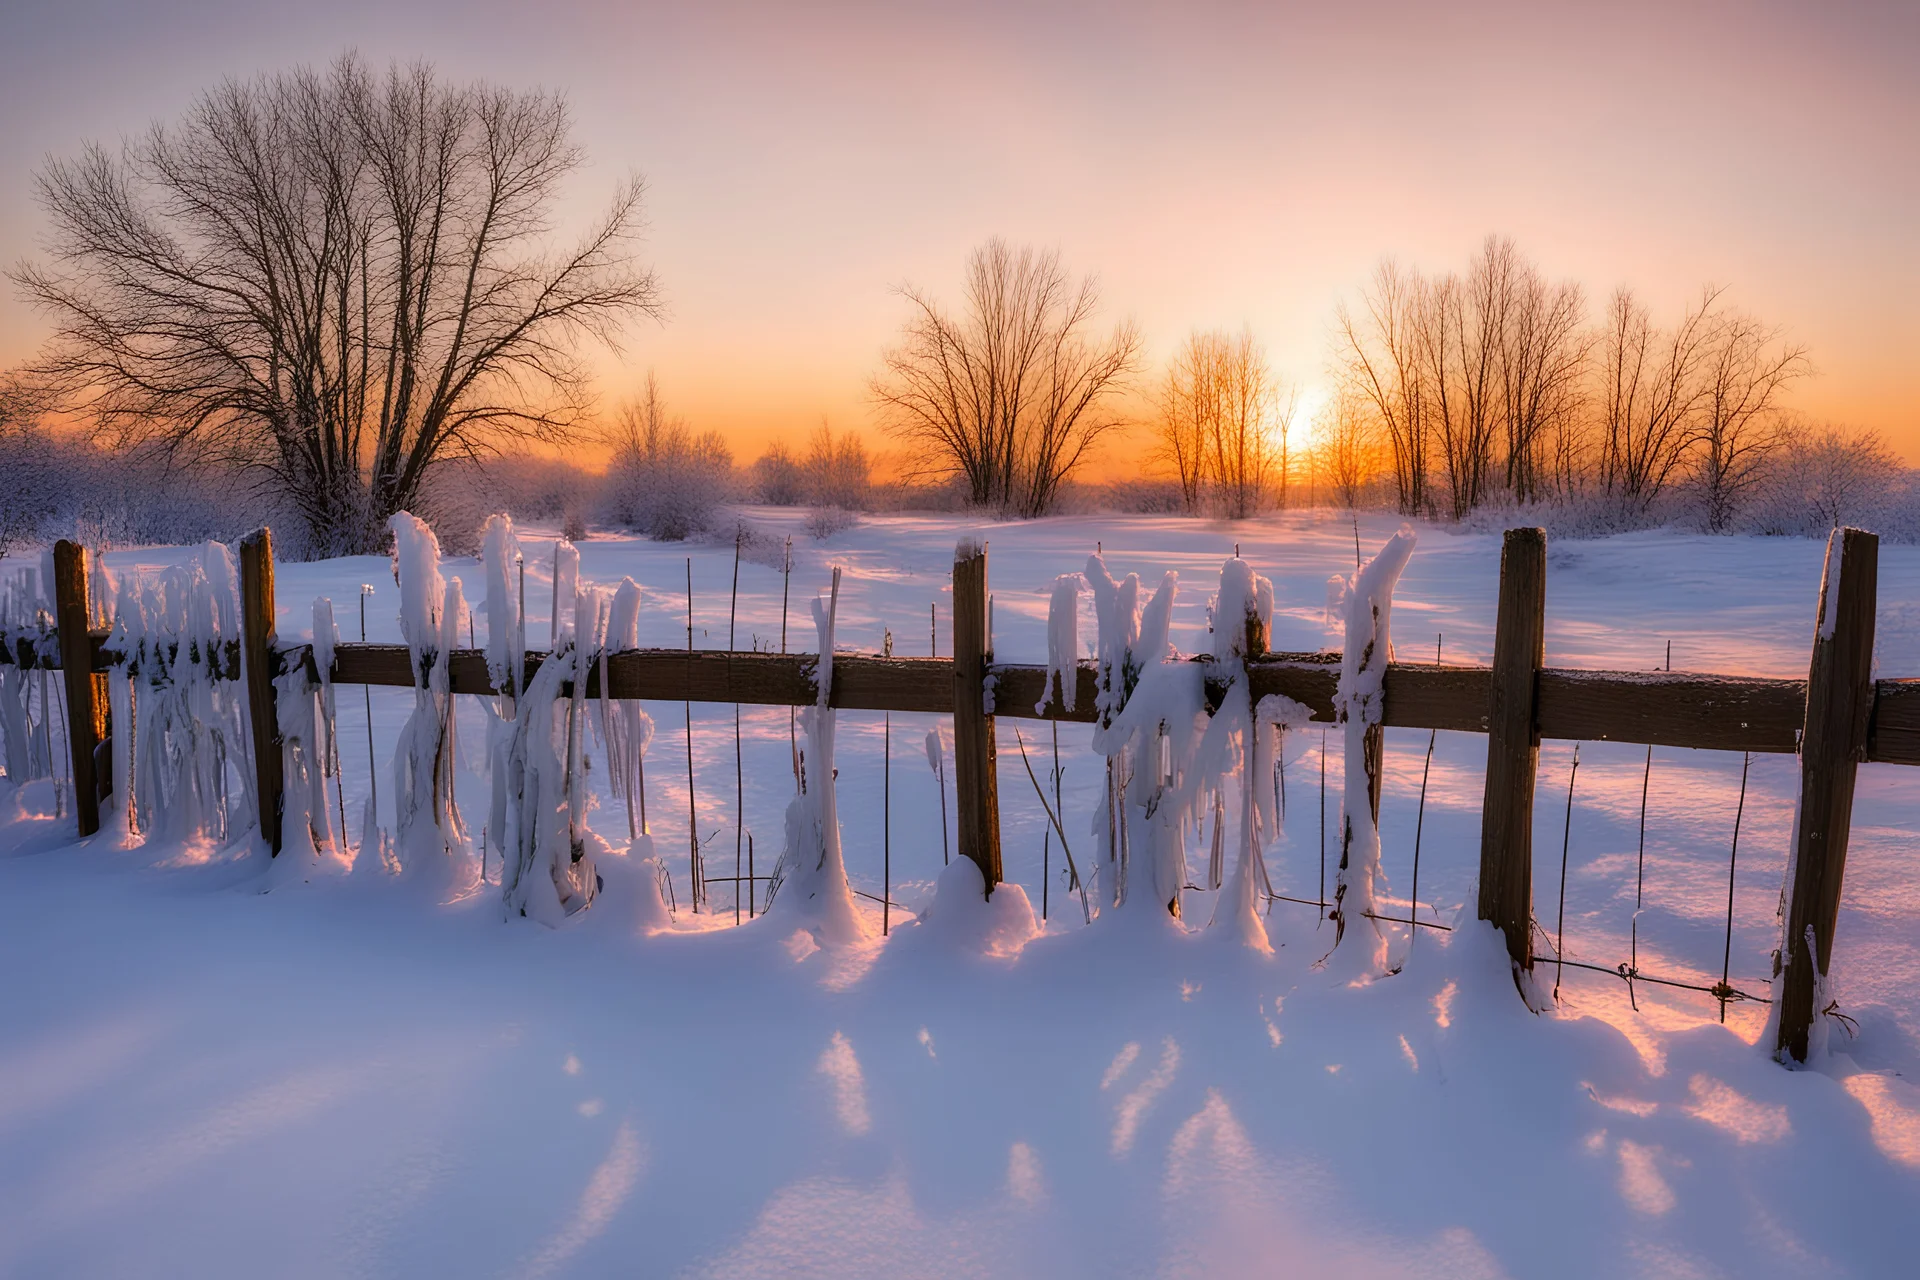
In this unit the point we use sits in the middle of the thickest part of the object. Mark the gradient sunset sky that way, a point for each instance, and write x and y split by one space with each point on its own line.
1215 164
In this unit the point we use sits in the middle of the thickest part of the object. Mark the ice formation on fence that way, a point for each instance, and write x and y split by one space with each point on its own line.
1153 713
1173 765
181 773
625 726
1063 640
1236 752
549 868
1358 706
26 632
506 628
811 877
304 710
429 839
504 568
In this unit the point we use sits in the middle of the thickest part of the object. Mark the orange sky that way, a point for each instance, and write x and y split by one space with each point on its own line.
1214 164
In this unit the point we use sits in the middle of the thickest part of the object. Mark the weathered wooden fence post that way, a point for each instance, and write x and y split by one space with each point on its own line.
256 632
1513 743
1834 741
86 692
975 779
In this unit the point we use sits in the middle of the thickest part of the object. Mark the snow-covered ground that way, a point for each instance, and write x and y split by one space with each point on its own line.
342 1078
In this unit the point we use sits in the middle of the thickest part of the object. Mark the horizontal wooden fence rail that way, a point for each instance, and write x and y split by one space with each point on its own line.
1654 708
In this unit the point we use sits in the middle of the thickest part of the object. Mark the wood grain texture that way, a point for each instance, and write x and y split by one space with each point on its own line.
1894 736
256 638
975 772
1839 711
86 692
1672 709
1513 743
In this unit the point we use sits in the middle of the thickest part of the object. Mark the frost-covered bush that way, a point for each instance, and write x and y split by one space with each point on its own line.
666 480
838 472
59 486
1825 477
824 522
776 478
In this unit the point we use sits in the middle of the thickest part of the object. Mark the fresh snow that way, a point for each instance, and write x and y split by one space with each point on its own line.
338 1077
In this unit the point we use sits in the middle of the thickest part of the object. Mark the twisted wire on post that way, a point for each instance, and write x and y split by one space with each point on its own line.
1733 858
1566 842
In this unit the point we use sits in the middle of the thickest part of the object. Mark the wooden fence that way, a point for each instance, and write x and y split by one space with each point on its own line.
1835 719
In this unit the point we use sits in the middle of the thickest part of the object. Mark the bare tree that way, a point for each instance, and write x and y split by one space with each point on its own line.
1188 410
1543 367
1380 358
340 279
1745 368
1242 447
837 471
1346 452
1650 392
777 477
1012 393
1219 425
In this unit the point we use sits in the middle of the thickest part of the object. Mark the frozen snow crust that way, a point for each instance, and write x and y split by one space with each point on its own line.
210 1067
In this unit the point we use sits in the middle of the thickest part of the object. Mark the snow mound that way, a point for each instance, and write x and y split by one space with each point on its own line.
961 918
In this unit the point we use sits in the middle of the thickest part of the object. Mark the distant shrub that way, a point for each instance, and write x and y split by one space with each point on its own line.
776 478
666 480
824 522
1824 477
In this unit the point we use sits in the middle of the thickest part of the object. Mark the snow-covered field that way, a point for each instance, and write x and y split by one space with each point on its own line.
339 1078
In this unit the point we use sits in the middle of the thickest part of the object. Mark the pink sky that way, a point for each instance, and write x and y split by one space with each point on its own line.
1214 164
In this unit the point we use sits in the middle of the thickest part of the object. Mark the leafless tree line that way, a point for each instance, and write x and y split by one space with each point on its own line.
337 279
834 471
1224 423
1492 385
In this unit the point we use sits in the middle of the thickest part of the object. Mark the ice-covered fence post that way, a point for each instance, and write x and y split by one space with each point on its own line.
1513 743
1834 741
256 639
86 692
976 784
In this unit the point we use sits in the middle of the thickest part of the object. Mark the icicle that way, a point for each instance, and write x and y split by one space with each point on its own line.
1063 640
1358 705
1149 741
26 627
625 725
178 720
506 641
566 585
428 839
548 871
327 738
308 844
